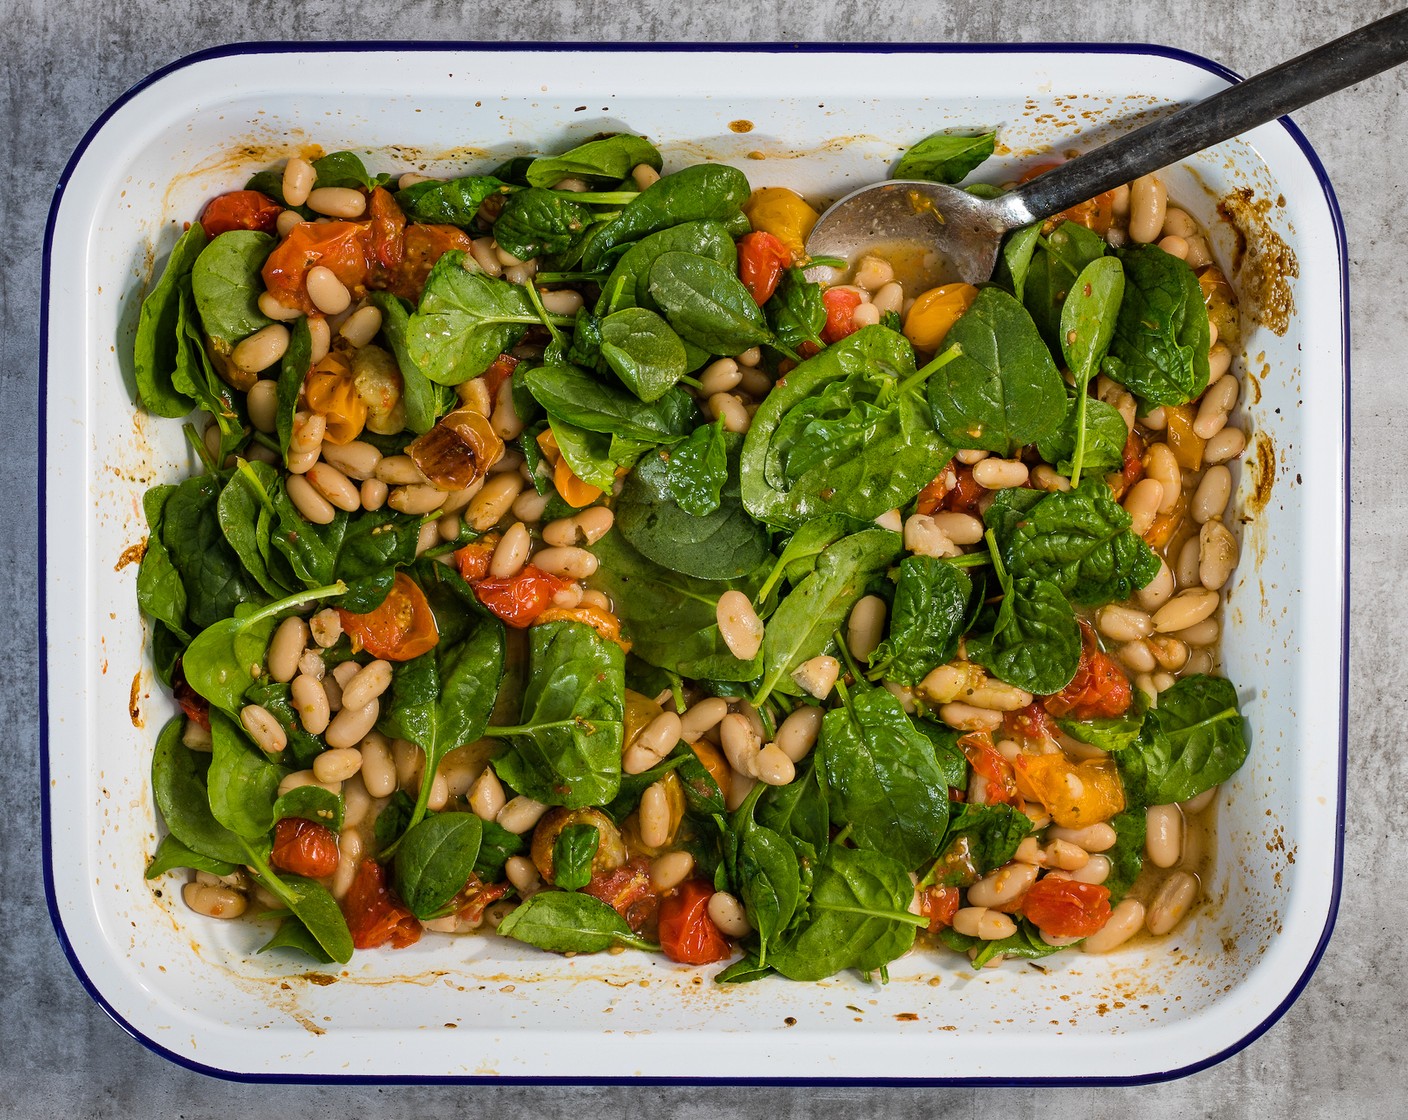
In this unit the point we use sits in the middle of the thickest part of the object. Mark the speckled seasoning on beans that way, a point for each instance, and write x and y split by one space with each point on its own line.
560 561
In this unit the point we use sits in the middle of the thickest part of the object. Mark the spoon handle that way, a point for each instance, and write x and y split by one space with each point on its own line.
1350 59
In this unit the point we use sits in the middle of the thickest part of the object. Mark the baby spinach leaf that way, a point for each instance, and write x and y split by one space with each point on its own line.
227 657
642 351
670 618
926 620
444 697
345 169
293 934
1112 734
226 283
806 619
171 854
215 580
723 544
1080 541
243 783
1127 856
698 469
949 755
1087 325
855 418
628 284
795 313
569 922
608 160
1103 446
293 371
1051 274
567 749
1160 347
179 787
572 856
769 882
312 803
154 350
799 556
194 376
425 401
465 320
703 191
707 303
799 811
453 202
313 906
1195 739
1024 945
237 510
161 594
435 860
587 453
1003 390
536 222
990 834
1035 639
882 778
945 157
1016 259
570 394
858 917
494 851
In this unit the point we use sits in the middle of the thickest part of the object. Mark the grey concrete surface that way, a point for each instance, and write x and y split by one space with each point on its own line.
1339 1051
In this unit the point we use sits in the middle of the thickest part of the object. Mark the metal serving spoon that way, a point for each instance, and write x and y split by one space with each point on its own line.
967 231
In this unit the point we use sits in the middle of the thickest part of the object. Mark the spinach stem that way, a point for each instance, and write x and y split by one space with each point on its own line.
969 560
1078 455
198 444
242 465
537 301
600 198
934 365
567 277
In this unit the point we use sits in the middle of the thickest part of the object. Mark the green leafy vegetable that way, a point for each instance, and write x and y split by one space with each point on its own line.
945 157
572 856
608 160
465 320
536 222
226 283
1160 347
568 922
154 351
434 861
453 202
926 620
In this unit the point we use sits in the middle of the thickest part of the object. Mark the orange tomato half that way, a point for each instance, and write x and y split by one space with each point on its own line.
401 628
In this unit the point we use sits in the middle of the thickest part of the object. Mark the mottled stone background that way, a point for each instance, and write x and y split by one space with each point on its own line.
1339 1051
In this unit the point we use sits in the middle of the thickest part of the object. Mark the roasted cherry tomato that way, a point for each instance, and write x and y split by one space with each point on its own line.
687 934
499 371
421 247
1094 214
473 559
1032 723
304 847
713 760
1076 794
570 488
931 498
1098 690
387 237
626 889
374 915
934 312
987 761
401 628
1131 462
338 246
840 304
1066 908
939 905
520 599
195 706
963 498
331 391
240 210
477 896
598 618
761 259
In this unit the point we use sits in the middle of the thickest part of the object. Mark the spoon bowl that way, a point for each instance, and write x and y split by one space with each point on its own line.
963 232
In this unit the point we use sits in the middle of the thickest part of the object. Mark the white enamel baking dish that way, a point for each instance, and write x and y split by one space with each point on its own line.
822 120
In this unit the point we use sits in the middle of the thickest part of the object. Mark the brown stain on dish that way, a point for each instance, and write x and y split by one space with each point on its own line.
1262 262
131 555
740 126
1263 474
134 700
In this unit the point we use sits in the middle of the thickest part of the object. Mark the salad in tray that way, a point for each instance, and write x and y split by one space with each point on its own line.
559 559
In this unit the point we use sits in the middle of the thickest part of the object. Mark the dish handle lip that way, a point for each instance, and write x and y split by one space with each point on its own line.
241 49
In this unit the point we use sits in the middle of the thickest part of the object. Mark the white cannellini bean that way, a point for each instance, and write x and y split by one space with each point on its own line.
739 625
818 675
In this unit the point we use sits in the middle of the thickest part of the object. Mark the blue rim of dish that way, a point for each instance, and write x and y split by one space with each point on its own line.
243 49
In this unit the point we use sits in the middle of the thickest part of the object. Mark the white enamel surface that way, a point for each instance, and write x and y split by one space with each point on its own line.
481 1007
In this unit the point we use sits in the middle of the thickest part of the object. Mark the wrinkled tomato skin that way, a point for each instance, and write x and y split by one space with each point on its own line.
626 889
1099 690
240 210
374 915
499 371
687 934
939 905
304 847
195 706
473 559
761 259
340 247
987 760
520 599
401 628
963 498
840 304
422 246
1033 723
387 239
1094 214
1132 461
1066 908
